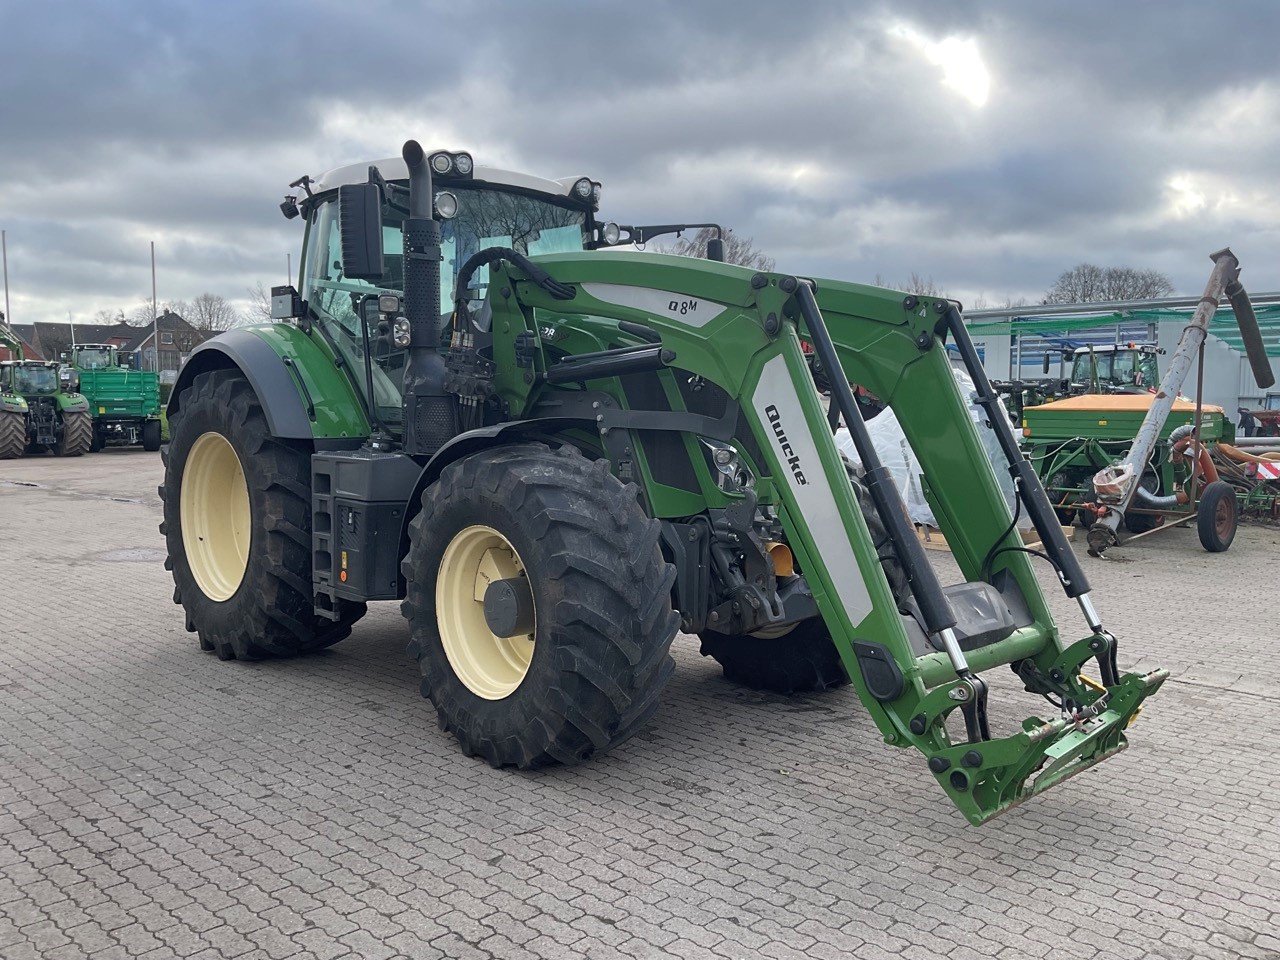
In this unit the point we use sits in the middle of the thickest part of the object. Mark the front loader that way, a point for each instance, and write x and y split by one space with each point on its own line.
557 457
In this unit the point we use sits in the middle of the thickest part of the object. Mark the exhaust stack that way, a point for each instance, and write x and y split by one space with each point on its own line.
430 412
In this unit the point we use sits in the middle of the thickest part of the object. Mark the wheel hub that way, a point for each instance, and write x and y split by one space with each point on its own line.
490 666
215 516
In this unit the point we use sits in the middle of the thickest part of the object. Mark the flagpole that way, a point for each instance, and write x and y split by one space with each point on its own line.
155 312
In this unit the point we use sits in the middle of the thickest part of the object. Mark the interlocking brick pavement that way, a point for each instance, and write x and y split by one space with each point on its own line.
155 802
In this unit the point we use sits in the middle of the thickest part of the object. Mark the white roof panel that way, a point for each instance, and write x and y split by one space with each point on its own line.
394 168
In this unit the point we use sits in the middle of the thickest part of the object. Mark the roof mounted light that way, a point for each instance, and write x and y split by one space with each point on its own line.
441 163
582 188
463 164
595 193
446 205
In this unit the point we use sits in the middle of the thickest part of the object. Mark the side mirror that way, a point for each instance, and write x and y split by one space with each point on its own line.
360 215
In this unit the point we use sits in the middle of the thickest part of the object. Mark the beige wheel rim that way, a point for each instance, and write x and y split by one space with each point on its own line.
489 666
215 516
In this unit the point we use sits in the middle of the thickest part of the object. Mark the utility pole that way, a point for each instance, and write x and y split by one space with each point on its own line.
288 268
4 253
155 312
72 325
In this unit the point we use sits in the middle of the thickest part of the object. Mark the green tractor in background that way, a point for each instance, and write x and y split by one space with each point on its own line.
36 412
125 403
57 419
558 457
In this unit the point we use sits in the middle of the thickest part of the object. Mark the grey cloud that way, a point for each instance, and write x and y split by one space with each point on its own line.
184 121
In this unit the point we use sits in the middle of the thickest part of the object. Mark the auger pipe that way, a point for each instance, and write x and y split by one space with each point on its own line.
1029 488
934 608
1226 269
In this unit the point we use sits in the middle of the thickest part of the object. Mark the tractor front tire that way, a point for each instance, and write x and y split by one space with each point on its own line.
151 436
237 524
77 435
802 661
13 435
585 669
1217 516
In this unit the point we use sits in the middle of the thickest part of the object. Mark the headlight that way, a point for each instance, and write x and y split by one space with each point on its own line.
441 162
400 332
446 205
582 187
610 233
462 163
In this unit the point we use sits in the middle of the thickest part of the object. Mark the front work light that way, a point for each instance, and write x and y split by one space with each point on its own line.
462 163
441 162
400 332
610 233
446 205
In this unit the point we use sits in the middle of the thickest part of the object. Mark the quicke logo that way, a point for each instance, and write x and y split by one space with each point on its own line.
780 434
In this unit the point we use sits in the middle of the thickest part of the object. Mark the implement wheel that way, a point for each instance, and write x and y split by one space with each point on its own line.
151 436
77 435
801 661
1216 516
13 435
539 605
237 523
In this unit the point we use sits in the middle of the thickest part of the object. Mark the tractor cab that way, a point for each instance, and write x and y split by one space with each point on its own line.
94 356
30 378
1119 368
353 251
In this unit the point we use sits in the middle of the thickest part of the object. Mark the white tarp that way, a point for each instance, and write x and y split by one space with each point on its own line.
899 459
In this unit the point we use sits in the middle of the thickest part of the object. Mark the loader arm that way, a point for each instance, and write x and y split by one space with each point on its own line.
741 331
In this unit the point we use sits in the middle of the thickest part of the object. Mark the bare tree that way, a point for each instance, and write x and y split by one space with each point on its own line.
106 318
737 249
259 302
1090 283
209 312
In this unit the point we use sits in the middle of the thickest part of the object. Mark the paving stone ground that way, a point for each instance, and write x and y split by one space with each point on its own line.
155 802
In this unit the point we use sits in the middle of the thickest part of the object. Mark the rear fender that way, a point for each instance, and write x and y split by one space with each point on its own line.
303 393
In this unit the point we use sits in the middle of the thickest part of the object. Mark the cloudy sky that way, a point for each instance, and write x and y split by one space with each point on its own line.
986 145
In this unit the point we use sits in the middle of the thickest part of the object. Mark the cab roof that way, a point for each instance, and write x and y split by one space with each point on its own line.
394 168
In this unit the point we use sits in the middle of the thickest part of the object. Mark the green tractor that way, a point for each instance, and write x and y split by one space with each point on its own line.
557 457
38 412
125 403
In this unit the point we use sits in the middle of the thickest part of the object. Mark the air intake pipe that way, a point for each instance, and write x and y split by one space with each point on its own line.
430 412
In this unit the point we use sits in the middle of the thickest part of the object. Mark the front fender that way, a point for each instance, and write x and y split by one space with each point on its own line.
473 441
303 393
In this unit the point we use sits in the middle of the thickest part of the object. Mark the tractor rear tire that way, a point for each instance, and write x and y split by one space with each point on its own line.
151 436
77 435
589 671
802 661
262 603
1217 516
13 435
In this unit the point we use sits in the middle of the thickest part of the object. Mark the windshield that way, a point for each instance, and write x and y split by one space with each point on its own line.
94 358
486 218
35 380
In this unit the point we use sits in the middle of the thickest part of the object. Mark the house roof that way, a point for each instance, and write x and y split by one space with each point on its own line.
42 335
